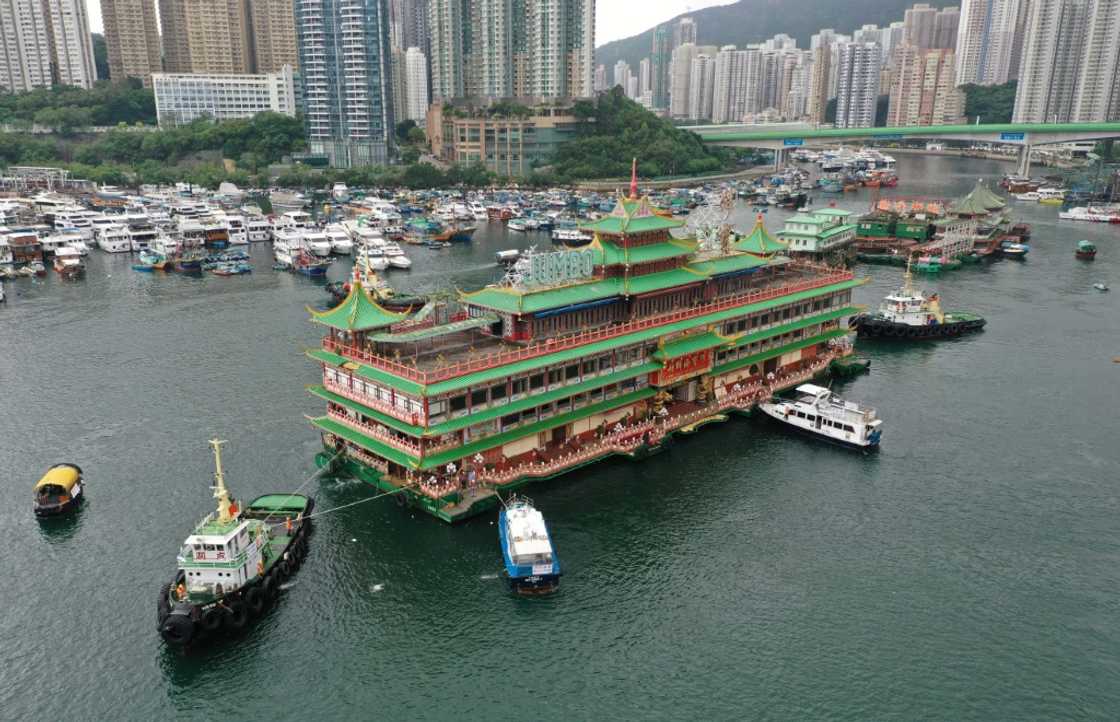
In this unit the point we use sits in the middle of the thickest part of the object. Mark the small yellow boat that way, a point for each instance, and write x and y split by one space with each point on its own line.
59 491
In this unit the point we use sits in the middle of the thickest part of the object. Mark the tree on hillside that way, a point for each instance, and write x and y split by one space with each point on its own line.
993 103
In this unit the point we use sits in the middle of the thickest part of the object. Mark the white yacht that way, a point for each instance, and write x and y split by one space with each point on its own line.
259 229
141 231
340 193
73 217
286 244
819 412
395 256
317 242
6 258
371 257
340 239
238 231
363 235
113 237
294 219
478 211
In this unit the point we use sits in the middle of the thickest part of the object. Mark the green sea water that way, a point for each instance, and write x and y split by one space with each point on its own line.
969 571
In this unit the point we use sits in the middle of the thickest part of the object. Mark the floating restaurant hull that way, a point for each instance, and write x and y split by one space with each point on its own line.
578 355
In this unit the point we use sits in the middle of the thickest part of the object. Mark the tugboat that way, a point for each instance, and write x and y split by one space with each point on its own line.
59 491
909 314
1086 251
531 563
233 563
822 414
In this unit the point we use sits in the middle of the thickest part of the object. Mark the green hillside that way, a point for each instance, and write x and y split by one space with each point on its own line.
752 21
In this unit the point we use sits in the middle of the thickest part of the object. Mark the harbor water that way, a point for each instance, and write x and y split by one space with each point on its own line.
969 571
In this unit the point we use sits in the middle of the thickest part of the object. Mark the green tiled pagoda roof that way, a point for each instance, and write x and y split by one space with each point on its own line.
484 376
735 262
441 458
616 226
759 242
357 312
631 215
608 254
689 344
636 285
980 201
513 300
431 332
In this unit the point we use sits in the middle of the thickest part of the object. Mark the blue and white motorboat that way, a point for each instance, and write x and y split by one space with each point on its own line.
531 562
818 412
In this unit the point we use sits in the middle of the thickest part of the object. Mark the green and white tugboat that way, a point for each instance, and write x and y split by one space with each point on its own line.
233 563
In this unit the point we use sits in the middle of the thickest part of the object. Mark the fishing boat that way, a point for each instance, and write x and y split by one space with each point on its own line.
231 268
531 563
232 565
308 265
1086 250
1013 249
910 314
60 490
818 412
68 263
461 233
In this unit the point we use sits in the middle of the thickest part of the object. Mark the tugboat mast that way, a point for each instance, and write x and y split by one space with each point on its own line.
221 493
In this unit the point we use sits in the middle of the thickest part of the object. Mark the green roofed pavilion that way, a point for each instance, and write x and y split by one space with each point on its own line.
631 216
357 312
760 242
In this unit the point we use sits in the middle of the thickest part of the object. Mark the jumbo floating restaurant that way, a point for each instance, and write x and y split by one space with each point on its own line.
580 355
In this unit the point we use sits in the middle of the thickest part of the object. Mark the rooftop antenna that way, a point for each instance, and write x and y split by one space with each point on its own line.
634 180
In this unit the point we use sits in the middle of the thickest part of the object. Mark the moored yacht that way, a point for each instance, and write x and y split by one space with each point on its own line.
819 412
340 239
530 560
113 237
68 262
395 256
259 229
317 242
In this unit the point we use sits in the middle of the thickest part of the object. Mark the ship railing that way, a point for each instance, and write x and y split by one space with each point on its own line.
828 276
373 403
376 431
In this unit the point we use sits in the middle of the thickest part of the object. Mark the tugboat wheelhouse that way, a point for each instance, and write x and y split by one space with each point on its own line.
574 356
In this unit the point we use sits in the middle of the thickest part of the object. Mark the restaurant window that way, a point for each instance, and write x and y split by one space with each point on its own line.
458 403
554 376
571 372
510 420
519 386
604 363
536 382
588 368
497 392
478 398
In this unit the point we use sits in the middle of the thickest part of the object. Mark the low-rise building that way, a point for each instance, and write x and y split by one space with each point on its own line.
183 97
818 232
511 142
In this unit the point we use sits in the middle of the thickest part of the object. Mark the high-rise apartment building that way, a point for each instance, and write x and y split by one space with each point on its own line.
945 28
599 84
1070 69
173 36
344 64
416 81
43 43
449 31
729 101
1050 67
131 39
858 88
701 86
273 29
621 73
923 88
684 32
680 76
660 59
1098 91
25 48
645 77
919 22
986 42
560 37
816 105
184 98
226 36
796 103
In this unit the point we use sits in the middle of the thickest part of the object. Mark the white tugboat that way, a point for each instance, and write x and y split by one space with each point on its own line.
819 412
910 314
232 564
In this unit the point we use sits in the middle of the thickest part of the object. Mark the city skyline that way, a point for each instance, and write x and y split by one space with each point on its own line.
613 21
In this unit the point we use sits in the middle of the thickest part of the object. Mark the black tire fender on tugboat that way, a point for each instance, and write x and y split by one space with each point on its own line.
211 620
269 587
237 616
284 568
178 627
255 600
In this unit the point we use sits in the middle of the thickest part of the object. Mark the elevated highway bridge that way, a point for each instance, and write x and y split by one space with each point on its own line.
785 137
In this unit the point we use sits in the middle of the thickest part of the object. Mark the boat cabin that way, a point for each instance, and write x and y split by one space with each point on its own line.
59 491
220 557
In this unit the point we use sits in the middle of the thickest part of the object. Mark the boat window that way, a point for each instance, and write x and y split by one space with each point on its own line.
810 417
197 547
848 428
208 547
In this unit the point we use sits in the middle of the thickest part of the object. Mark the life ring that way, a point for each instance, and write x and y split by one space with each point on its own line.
237 616
211 620
254 600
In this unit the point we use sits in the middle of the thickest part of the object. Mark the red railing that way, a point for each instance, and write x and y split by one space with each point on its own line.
377 432
492 360
378 404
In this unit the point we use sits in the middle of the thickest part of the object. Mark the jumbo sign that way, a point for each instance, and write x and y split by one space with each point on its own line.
549 269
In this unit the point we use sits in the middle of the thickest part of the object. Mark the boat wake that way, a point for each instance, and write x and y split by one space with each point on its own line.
375 588
286 586
488 577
